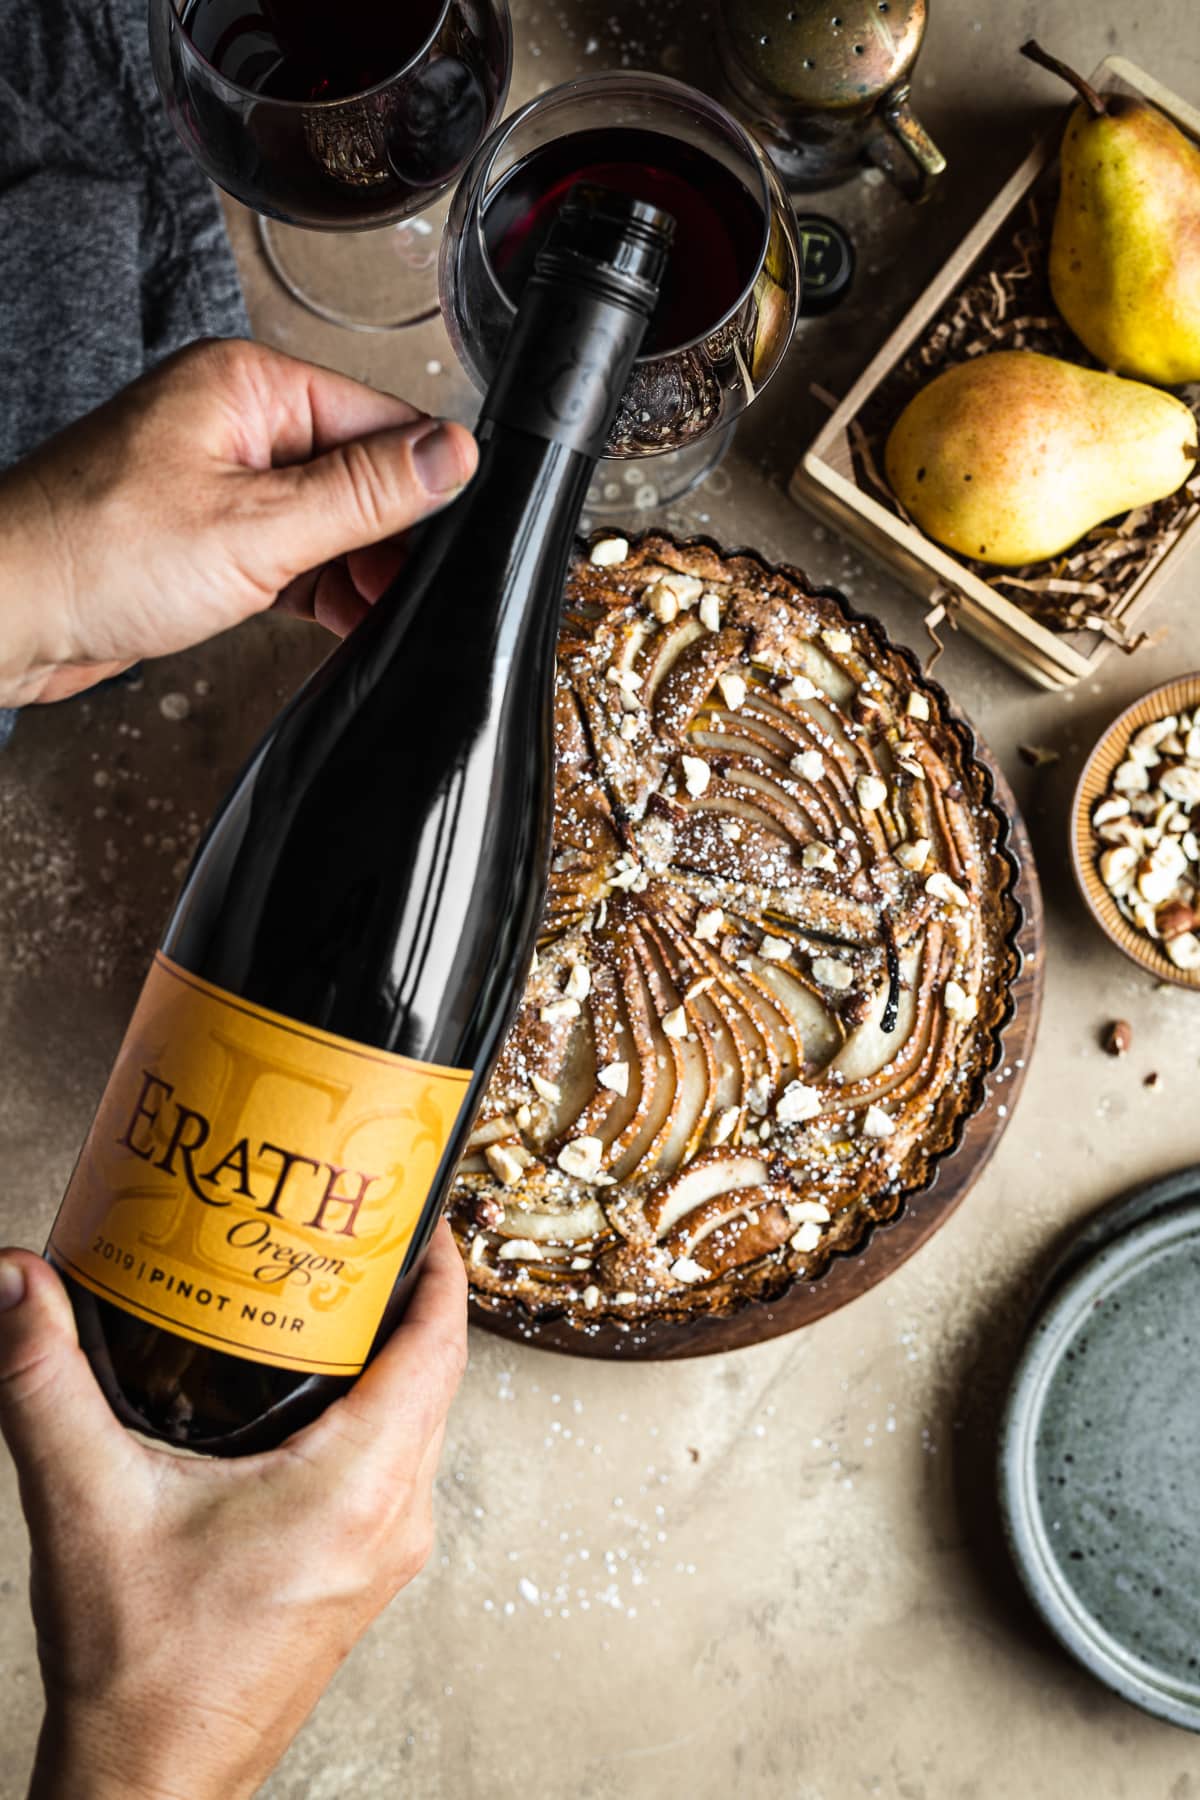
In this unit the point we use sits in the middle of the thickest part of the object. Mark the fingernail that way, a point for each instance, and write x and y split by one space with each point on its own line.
12 1283
438 464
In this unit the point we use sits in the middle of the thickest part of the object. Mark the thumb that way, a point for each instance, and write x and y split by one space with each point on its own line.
369 489
53 1415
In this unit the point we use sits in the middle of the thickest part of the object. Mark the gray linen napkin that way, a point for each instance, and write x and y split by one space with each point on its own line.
112 247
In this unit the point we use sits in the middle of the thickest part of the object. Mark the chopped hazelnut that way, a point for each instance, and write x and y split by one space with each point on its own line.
696 775
1174 919
609 551
708 924
615 1077
831 972
506 1162
581 1157
870 792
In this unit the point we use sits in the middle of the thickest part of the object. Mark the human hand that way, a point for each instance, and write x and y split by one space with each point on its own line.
230 479
190 1612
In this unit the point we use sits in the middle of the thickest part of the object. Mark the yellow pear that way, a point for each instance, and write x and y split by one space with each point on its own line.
1125 248
1012 457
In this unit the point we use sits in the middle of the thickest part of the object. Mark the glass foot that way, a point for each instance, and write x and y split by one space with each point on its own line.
380 280
621 489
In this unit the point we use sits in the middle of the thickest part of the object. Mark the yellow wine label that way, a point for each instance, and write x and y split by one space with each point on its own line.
252 1183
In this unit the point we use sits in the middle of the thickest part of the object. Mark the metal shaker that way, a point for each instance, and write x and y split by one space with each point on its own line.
825 86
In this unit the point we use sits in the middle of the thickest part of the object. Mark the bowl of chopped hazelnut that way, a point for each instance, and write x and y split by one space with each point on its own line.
1136 832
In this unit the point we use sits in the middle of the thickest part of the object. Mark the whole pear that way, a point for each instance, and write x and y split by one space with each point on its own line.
1125 247
1012 457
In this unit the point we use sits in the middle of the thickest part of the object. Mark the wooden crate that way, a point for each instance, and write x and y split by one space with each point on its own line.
826 481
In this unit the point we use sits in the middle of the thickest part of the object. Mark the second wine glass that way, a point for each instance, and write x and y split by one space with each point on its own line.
732 292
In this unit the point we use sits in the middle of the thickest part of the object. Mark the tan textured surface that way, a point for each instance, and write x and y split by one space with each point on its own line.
812 1606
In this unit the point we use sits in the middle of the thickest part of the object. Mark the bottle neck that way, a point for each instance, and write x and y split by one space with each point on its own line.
565 366
521 509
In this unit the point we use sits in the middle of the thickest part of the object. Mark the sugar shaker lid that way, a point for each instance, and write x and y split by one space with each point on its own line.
827 256
834 55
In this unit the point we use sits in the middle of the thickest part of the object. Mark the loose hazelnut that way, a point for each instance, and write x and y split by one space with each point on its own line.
1118 1037
488 1213
1174 919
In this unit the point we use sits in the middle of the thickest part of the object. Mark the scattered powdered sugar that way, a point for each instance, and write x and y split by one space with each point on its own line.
102 802
617 1567
604 1505
52 904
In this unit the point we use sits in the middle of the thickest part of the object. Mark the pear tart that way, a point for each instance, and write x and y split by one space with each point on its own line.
775 954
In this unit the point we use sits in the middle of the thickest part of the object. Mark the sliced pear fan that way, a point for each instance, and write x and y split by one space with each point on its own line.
756 1057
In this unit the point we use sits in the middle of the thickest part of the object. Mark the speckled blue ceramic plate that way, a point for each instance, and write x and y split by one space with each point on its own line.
1147 1201
1100 1464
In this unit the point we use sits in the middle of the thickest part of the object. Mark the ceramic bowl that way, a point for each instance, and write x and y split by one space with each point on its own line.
1173 696
1100 1454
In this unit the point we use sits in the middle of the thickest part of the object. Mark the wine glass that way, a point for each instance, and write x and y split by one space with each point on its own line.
732 290
342 120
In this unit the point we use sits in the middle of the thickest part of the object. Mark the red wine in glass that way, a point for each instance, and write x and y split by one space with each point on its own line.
732 288
719 224
336 116
308 49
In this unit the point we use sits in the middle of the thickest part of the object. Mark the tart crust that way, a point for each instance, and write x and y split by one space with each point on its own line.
775 959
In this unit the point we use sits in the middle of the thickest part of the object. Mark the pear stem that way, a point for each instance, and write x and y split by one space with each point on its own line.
1087 93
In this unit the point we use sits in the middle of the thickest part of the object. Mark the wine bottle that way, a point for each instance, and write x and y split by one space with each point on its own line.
295 1088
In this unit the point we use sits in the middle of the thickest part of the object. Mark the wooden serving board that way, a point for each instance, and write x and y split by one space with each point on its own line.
889 1244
